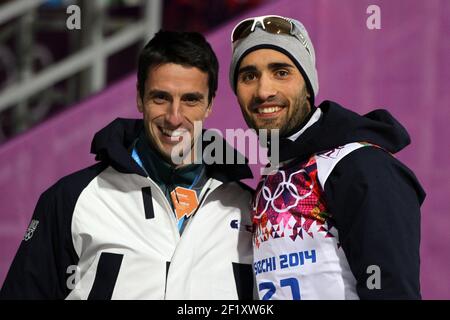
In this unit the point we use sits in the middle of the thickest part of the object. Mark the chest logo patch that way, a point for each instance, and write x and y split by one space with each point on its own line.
30 231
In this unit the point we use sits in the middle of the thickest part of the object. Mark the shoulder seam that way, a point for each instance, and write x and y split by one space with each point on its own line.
327 161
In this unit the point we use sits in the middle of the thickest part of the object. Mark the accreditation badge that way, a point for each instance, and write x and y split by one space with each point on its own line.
185 201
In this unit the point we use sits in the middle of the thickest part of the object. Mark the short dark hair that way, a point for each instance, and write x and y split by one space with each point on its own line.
185 48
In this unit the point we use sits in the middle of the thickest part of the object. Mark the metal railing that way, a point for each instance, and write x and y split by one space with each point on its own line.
92 56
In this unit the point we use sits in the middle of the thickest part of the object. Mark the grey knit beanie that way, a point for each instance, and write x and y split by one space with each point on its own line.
298 48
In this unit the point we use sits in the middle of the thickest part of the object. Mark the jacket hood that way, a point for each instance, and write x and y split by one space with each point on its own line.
339 126
113 144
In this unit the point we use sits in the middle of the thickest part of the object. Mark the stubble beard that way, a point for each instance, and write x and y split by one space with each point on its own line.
300 110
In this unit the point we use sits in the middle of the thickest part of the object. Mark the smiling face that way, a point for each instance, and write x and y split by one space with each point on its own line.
175 97
271 91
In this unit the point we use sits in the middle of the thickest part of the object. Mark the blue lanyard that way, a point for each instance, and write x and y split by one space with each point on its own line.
138 160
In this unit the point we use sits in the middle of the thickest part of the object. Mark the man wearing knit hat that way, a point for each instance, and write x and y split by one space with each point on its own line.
340 217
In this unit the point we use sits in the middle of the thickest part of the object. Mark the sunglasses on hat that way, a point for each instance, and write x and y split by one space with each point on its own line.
271 24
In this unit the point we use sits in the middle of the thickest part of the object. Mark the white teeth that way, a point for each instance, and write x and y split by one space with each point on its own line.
268 110
177 133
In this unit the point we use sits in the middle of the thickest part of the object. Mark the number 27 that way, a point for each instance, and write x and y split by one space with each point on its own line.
288 282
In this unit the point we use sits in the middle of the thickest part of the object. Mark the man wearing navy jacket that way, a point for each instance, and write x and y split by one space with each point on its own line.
340 216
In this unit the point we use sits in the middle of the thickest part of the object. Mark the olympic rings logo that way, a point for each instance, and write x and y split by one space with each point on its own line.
282 187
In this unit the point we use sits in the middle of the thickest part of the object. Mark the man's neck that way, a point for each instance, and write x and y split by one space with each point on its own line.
313 116
159 169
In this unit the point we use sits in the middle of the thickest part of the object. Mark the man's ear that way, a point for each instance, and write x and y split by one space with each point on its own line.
139 102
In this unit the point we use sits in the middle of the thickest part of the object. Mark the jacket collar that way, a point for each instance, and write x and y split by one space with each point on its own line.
113 145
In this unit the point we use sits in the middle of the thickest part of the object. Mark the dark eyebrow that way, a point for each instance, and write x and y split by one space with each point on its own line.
157 92
271 66
280 65
193 96
249 68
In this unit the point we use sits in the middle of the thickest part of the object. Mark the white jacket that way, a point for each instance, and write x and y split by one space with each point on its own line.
108 232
